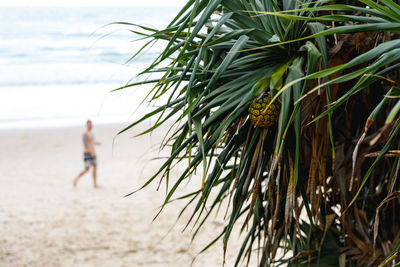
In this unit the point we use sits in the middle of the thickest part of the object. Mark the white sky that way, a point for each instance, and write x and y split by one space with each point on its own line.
92 2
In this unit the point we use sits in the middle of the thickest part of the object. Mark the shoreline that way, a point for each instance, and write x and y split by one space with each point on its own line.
81 126
48 106
73 127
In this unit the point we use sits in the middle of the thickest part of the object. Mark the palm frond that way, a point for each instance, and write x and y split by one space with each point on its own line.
307 185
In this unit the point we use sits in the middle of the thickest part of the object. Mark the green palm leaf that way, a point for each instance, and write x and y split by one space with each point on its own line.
222 56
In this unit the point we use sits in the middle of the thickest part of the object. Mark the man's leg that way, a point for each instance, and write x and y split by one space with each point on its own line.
80 175
95 176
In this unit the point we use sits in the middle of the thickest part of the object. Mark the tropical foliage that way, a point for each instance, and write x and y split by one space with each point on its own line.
319 186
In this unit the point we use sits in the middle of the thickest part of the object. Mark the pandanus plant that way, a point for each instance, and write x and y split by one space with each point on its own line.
289 109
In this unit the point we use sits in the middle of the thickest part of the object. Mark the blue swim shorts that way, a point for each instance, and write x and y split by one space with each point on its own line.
89 160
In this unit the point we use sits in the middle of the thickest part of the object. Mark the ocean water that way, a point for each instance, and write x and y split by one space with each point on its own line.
58 65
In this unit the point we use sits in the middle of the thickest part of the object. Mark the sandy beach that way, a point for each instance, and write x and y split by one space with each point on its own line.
44 221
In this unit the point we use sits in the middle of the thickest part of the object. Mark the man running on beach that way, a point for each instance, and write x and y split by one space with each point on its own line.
89 155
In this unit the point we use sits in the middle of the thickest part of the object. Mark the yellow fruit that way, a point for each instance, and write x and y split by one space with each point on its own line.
261 117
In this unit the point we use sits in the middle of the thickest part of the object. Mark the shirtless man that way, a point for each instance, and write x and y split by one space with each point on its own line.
89 155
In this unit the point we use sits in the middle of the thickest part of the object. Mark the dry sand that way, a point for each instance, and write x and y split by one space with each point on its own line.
44 221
